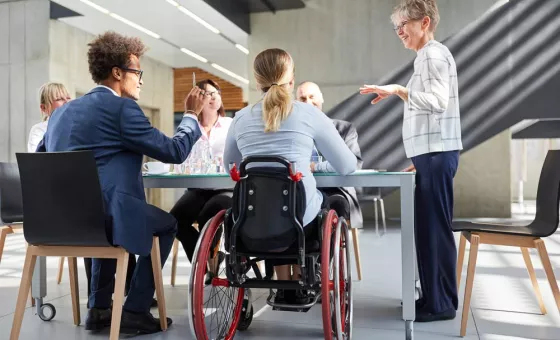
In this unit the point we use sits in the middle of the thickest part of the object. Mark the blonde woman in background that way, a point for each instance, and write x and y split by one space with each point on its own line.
51 97
280 126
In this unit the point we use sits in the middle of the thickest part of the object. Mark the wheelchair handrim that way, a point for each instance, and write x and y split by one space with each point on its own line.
326 283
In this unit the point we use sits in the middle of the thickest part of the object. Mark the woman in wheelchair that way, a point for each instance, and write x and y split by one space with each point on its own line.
280 126
278 215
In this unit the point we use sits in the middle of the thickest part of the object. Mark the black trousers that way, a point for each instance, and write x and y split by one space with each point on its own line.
142 288
200 206
435 245
129 273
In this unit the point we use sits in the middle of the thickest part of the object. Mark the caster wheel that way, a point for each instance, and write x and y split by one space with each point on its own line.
246 321
47 312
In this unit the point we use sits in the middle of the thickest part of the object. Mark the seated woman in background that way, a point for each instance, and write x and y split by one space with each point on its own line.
280 126
51 97
200 205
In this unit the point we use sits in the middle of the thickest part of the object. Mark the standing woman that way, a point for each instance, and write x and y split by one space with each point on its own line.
432 140
200 205
51 97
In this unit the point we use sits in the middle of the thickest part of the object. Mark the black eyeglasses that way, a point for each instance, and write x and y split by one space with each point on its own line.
137 72
400 27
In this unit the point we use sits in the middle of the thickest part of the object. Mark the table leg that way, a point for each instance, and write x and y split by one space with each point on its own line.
408 253
39 282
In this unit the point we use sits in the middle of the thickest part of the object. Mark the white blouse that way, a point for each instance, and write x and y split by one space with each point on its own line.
432 120
36 135
217 138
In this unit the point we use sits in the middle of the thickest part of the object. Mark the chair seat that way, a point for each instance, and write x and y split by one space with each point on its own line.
520 228
12 218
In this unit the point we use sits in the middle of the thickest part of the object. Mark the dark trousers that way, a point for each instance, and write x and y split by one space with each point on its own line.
142 287
199 206
129 273
337 202
435 245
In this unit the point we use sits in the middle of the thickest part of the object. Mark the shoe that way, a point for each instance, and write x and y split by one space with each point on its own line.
285 296
154 303
97 319
448 314
302 297
140 323
209 274
418 304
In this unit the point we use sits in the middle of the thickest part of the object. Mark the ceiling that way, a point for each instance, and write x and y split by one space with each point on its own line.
238 11
175 29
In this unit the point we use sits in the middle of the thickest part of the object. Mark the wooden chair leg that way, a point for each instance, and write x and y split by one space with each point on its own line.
475 240
461 258
158 282
60 270
533 277
356 243
548 269
74 289
118 296
4 231
174 262
24 289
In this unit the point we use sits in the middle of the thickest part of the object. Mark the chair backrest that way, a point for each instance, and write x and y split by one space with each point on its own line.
548 196
62 199
11 206
268 206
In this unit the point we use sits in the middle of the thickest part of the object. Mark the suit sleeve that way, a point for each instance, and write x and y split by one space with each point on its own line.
140 136
332 146
351 140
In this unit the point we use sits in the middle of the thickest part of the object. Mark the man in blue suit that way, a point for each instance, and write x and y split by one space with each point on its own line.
109 122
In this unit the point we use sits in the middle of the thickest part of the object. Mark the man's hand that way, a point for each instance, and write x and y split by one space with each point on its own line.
195 101
384 91
312 166
410 168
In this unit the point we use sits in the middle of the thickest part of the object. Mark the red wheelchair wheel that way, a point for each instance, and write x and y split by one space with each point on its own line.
215 309
336 279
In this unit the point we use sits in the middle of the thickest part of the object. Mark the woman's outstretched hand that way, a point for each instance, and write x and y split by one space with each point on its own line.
383 91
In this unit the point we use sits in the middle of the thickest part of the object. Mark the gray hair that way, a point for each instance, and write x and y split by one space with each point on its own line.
417 10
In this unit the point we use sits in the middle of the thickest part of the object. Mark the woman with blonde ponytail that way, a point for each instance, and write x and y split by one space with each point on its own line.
279 126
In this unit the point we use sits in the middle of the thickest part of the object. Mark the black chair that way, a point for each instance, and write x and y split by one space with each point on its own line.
525 237
11 206
64 216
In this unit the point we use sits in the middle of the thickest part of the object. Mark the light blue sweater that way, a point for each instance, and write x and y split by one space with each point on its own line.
305 126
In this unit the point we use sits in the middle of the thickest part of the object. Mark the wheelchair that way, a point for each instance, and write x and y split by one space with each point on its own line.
265 223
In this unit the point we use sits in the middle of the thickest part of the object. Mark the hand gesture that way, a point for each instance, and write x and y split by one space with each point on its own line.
410 168
196 100
381 91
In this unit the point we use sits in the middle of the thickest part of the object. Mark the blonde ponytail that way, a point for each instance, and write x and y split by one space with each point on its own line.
274 73
277 105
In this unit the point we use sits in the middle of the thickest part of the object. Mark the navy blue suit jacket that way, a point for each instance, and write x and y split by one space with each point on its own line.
119 134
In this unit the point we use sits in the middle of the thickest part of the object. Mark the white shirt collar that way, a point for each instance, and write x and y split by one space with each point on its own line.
110 89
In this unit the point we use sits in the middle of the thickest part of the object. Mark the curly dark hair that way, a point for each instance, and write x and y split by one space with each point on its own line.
111 49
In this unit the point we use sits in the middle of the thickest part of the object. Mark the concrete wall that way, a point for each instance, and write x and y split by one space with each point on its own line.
343 44
24 61
68 65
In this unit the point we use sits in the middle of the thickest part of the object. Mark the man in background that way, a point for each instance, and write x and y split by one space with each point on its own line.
343 200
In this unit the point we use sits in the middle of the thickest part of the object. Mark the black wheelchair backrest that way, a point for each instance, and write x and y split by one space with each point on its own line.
268 204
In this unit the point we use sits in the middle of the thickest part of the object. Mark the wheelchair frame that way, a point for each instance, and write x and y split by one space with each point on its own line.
334 234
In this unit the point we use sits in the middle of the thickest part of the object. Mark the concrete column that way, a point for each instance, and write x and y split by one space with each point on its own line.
24 67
